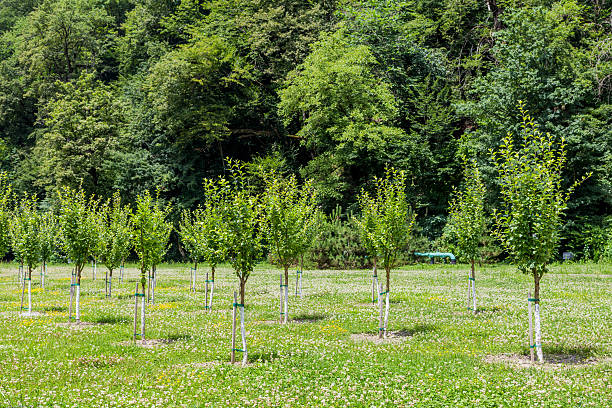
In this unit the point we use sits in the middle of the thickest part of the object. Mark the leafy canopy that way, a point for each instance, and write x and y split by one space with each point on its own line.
528 224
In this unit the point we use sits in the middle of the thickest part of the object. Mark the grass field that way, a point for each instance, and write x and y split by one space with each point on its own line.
439 354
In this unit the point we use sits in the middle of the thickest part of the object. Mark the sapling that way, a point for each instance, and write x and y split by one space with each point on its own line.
188 232
392 221
366 224
201 232
48 242
151 233
25 237
78 235
467 223
117 237
289 212
532 204
242 234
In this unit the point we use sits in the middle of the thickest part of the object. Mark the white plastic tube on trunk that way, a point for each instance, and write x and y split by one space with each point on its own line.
71 298
243 333
30 296
78 304
286 303
474 294
469 292
206 292
212 292
530 327
142 318
386 312
136 313
381 317
280 299
233 353
538 333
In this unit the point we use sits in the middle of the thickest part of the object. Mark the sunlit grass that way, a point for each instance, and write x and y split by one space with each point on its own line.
437 360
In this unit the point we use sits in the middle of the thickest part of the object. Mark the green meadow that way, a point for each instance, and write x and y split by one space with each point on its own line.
437 354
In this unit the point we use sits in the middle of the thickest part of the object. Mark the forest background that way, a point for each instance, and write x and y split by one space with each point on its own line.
128 96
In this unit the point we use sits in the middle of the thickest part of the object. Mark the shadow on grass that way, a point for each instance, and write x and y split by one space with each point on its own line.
565 354
55 308
309 318
111 320
490 309
174 337
416 329
259 357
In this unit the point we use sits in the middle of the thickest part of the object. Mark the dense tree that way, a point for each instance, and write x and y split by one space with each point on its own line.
533 202
467 220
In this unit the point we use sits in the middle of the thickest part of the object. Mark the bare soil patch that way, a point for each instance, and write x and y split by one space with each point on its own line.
551 361
392 337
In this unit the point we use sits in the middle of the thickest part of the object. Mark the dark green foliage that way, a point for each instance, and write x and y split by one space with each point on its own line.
127 96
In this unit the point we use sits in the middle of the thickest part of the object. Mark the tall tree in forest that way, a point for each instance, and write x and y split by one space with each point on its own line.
533 200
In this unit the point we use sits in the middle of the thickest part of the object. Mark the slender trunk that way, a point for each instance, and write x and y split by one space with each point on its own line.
538 332
233 354
142 312
242 327
473 288
206 292
78 294
110 283
286 317
212 288
531 356
388 270
43 272
301 272
375 281
381 322
136 313
71 296
23 284
29 289
280 298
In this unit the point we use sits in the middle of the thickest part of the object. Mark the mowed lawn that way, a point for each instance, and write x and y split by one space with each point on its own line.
440 354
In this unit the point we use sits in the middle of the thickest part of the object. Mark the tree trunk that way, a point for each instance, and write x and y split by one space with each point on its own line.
375 280
212 288
142 312
29 289
286 316
78 293
110 283
473 288
537 321
242 326
388 271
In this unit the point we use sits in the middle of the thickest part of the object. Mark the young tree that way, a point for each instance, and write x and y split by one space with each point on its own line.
367 225
242 233
392 222
117 237
289 212
151 233
78 234
48 241
190 233
201 231
25 236
533 202
467 222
